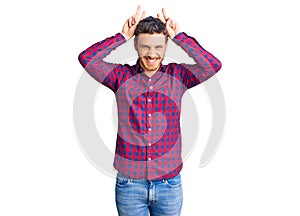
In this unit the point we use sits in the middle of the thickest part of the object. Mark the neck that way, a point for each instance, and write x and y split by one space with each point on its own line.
150 73
147 72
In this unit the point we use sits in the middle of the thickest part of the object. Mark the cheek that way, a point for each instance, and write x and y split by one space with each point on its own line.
160 53
142 53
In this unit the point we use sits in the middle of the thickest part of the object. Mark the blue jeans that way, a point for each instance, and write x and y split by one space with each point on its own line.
140 197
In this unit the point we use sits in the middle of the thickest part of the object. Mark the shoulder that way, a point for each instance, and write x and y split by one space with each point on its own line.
176 70
173 67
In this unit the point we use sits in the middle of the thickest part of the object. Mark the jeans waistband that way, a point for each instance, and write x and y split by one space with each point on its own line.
122 176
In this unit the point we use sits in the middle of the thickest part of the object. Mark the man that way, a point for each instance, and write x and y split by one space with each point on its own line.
148 94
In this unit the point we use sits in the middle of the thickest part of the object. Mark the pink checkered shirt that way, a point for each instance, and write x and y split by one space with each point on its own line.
148 144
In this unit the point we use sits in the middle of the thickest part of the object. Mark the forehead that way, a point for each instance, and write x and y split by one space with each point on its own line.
151 39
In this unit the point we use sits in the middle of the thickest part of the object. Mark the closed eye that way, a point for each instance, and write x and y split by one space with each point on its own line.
144 46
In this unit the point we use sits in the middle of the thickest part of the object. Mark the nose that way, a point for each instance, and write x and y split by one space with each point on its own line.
151 52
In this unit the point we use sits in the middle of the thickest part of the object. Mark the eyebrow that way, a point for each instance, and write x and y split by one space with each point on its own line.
144 45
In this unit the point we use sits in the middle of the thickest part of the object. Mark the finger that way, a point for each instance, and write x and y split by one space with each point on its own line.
159 16
169 23
133 20
143 15
127 22
173 23
130 22
170 29
176 27
166 17
138 11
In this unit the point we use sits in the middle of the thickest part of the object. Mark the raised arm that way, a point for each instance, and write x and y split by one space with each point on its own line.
92 58
206 64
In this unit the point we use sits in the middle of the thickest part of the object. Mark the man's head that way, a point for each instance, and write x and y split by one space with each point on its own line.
150 42
151 25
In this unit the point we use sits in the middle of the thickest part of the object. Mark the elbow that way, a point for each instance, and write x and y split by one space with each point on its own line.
82 59
218 66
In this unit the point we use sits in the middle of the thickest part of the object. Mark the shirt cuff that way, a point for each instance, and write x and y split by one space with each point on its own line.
180 36
120 36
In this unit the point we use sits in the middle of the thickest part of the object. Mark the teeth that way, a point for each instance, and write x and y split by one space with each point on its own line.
151 60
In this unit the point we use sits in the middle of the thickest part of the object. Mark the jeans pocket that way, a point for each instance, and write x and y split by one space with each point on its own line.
122 181
174 182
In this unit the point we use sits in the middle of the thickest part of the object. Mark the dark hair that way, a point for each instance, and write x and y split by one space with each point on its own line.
150 25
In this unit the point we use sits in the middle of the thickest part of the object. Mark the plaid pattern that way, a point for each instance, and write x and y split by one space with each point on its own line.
148 144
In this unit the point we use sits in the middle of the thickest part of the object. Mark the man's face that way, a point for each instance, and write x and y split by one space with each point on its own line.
151 49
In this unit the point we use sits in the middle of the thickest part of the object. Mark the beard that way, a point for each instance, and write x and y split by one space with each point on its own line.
150 64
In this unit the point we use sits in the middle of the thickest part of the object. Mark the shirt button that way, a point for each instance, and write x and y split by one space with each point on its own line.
149 114
149 129
149 144
151 87
149 100
150 80
149 159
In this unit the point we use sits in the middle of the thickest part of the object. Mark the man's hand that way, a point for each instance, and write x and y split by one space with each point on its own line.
171 25
131 23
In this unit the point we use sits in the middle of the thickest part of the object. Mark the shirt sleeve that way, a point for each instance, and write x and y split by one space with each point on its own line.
206 64
92 61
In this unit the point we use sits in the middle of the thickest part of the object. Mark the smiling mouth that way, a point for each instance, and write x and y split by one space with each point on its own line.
151 60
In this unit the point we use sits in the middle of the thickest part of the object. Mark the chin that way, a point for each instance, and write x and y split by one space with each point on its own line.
151 68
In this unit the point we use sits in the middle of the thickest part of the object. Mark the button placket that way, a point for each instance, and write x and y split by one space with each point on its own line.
149 111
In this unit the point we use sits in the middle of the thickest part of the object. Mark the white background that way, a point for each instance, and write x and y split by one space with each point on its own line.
256 169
